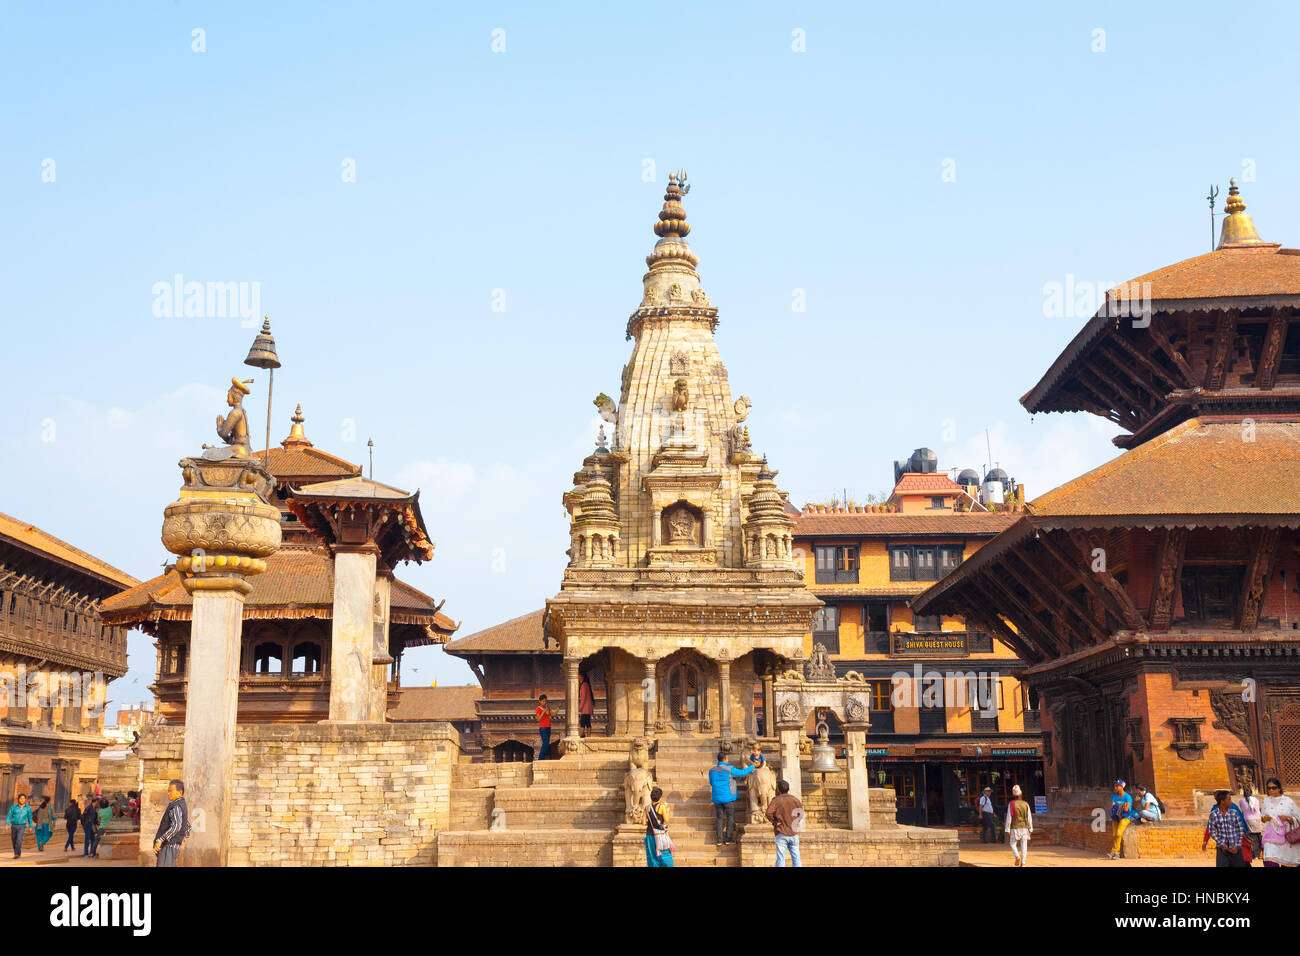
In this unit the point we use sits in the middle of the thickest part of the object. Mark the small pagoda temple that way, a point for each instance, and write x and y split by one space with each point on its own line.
1154 598
285 660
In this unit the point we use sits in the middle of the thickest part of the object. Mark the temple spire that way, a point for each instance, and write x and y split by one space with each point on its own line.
1238 227
672 280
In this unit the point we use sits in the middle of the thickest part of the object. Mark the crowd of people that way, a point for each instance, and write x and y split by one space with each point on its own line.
92 814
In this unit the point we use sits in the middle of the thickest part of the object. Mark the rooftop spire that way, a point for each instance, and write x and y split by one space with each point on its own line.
296 435
1238 227
672 218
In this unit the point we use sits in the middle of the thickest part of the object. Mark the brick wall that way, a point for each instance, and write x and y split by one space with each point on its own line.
322 794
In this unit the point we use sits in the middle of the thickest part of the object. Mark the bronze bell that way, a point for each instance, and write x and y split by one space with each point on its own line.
823 756
262 354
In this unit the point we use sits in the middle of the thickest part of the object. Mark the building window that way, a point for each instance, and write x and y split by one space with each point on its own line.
900 564
1210 593
837 564
903 783
268 659
949 558
826 628
174 660
937 502
685 693
306 660
926 622
978 642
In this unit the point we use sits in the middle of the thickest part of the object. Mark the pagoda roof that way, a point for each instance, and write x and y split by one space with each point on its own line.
406 539
31 538
519 635
301 462
297 583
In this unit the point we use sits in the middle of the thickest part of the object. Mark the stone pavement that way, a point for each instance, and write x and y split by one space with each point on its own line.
53 856
988 854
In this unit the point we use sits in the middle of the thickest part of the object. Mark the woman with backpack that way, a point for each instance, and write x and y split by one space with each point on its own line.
658 844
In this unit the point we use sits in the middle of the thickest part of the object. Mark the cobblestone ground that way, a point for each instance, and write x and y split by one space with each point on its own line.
981 854
54 856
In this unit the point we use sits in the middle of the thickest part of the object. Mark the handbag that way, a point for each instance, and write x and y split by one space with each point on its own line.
1293 835
663 842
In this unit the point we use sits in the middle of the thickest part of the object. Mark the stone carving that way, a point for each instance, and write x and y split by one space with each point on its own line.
675 292
1230 714
788 709
855 711
679 364
681 395
762 790
605 405
819 666
742 407
699 298
682 526
805 745
649 298
855 677
637 782
791 674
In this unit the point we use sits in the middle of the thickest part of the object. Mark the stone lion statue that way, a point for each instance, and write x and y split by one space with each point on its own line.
762 790
855 677
637 782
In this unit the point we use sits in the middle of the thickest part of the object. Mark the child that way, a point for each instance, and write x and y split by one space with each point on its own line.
756 758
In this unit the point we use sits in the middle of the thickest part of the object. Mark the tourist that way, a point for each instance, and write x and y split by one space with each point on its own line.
98 790
658 844
781 813
756 758
89 828
722 783
1279 814
1121 813
1147 808
70 816
1019 824
544 715
586 707
988 825
44 817
105 815
18 820
1249 807
174 827
1225 826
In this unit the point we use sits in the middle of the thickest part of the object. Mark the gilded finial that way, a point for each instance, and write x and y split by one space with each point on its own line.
672 218
1238 227
296 434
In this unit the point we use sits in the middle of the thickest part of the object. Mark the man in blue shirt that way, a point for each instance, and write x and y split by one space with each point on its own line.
722 784
18 820
1121 808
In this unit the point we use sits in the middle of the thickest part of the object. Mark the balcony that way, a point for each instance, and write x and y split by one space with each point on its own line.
833 576
983 725
1033 721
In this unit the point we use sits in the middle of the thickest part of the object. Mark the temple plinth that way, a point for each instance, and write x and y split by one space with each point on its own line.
221 529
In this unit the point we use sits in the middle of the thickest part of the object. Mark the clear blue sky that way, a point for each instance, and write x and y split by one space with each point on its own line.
522 171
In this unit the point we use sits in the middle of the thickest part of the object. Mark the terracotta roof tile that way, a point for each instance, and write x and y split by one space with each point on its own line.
299 461
971 523
1242 271
32 537
913 482
437 703
1199 467
522 633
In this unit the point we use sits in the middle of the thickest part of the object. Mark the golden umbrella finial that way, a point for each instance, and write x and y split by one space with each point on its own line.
1238 227
262 355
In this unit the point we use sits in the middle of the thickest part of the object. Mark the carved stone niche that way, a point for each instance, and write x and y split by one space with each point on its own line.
1187 741
683 526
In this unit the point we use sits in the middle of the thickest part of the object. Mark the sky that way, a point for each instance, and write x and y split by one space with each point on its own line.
445 210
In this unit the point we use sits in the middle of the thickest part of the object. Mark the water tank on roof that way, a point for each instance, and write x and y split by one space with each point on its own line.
968 477
923 461
995 488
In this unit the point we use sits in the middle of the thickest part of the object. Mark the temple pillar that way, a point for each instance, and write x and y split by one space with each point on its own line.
380 656
724 700
649 699
790 770
211 706
859 794
352 635
769 706
571 697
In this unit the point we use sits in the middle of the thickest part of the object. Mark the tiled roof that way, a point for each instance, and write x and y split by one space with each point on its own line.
915 483
33 538
297 582
437 703
968 524
1199 467
518 634
1225 273
303 461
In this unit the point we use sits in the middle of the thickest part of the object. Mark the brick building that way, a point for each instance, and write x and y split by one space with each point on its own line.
56 658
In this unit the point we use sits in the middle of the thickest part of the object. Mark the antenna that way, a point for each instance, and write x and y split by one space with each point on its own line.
1214 194
988 445
370 443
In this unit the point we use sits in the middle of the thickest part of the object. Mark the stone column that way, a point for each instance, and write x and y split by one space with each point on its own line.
211 705
859 793
380 656
571 697
724 700
650 698
352 634
769 706
790 760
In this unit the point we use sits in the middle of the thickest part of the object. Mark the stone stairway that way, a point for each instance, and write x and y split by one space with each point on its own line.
681 768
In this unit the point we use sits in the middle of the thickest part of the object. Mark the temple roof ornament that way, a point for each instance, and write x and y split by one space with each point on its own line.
1238 227
296 435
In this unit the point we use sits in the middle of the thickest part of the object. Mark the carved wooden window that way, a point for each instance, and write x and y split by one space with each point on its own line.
685 693
837 564
268 658
1288 746
306 659
1210 592
927 622
949 558
900 564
